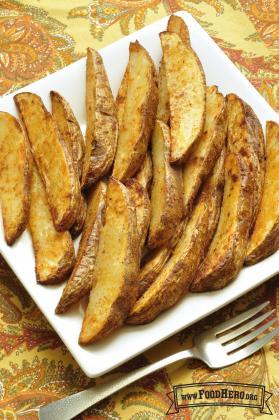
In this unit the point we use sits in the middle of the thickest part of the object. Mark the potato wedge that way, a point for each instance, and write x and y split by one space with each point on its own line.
77 227
177 24
227 250
52 158
207 148
54 251
80 282
142 204
69 129
136 119
15 177
186 87
174 279
265 237
115 284
166 192
145 173
241 140
102 128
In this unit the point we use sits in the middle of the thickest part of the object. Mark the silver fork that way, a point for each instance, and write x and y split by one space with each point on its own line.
215 350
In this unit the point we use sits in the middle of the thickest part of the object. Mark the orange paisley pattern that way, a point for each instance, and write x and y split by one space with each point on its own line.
38 37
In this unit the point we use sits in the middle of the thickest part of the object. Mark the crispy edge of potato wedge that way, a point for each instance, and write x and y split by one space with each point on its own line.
186 88
227 250
54 251
241 140
102 127
145 173
166 191
80 282
77 227
143 210
115 284
15 175
174 279
140 92
52 158
207 148
265 237
177 24
69 129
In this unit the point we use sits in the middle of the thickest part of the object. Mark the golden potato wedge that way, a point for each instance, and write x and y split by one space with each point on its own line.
186 87
52 158
102 128
15 177
80 282
54 251
136 119
265 237
145 173
115 284
69 129
166 192
207 148
242 140
177 24
174 279
142 204
227 250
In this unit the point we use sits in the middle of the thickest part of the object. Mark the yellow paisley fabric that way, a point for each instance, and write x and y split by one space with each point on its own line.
38 37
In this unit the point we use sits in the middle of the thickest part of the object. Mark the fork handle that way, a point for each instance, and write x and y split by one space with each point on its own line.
71 406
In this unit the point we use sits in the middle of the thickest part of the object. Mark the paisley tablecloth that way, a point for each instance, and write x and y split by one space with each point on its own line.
38 37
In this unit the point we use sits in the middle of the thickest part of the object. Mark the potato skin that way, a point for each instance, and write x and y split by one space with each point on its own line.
54 251
175 278
80 281
135 125
177 24
52 158
102 128
115 284
166 191
241 140
264 240
15 174
207 148
226 253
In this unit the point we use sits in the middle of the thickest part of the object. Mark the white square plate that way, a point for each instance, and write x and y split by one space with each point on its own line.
129 341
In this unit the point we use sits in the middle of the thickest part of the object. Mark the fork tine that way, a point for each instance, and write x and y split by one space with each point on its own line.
239 343
246 327
252 348
238 319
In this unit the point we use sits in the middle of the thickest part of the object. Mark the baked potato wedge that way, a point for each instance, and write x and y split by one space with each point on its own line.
15 176
136 118
227 250
115 278
52 158
166 191
80 282
69 129
207 148
177 274
186 88
177 24
142 204
102 128
145 173
265 237
54 251
241 140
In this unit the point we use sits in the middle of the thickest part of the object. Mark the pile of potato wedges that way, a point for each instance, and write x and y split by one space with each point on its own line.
173 190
